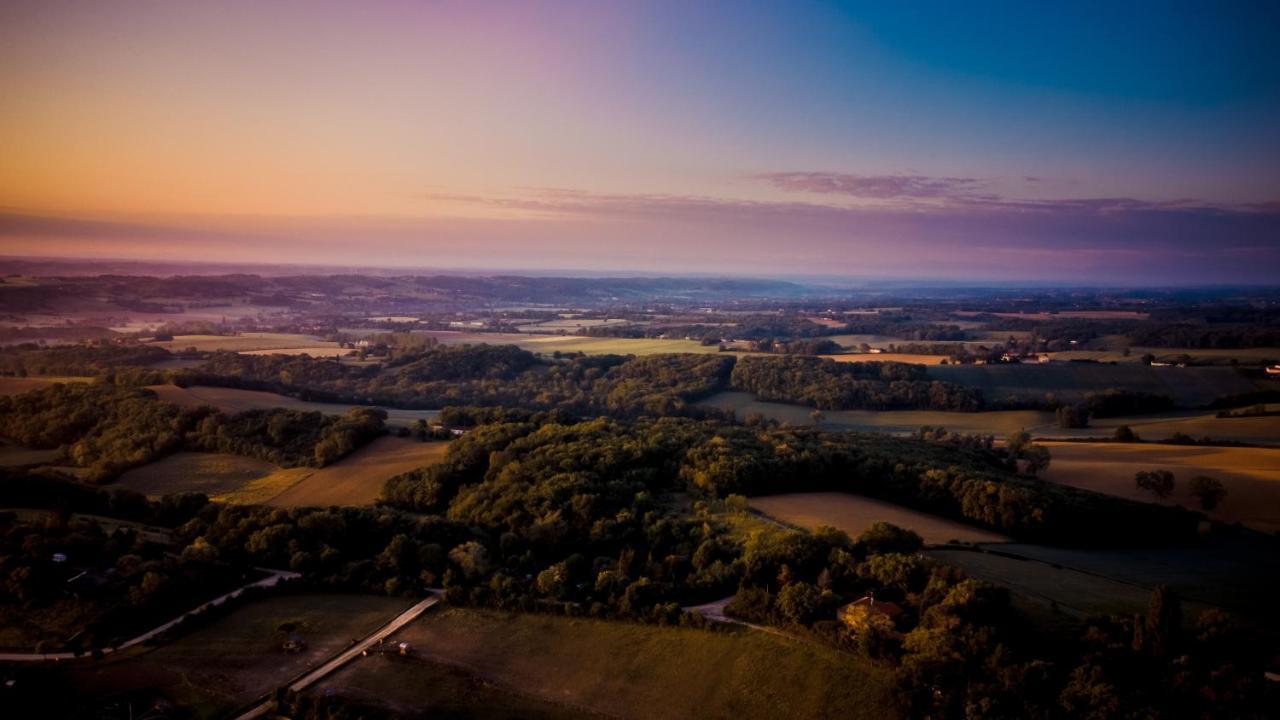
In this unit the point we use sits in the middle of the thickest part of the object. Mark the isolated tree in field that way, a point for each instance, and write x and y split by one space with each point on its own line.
1156 482
817 417
1209 491
1125 434
1072 416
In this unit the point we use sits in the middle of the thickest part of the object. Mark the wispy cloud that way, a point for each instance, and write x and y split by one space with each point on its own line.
881 187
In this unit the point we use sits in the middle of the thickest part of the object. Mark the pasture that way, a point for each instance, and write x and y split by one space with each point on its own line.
18 385
213 474
214 669
357 479
999 423
1260 430
13 455
1247 356
248 342
547 344
623 670
911 358
1191 387
233 400
854 514
1251 475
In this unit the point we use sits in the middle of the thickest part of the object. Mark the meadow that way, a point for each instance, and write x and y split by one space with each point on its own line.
854 514
623 670
1251 475
356 479
233 400
547 344
911 358
1259 430
250 342
210 473
1000 422
212 670
1190 387
18 385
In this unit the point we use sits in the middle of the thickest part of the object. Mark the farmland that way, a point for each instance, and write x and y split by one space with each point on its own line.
1191 386
854 514
622 669
250 342
209 473
1250 475
1001 422
1258 430
19 385
548 344
219 667
233 400
358 478
912 358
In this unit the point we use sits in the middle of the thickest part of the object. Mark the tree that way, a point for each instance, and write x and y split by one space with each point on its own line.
1037 457
1125 434
798 601
1072 416
882 538
1209 491
817 417
1156 482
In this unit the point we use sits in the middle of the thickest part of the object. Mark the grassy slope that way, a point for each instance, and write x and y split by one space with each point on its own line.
1251 475
629 670
209 473
217 668
854 514
358 478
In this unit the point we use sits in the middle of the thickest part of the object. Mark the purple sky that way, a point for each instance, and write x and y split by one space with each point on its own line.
1007 141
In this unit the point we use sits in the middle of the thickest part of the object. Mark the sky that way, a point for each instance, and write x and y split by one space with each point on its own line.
1111 143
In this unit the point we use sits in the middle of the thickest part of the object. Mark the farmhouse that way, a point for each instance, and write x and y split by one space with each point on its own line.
867 613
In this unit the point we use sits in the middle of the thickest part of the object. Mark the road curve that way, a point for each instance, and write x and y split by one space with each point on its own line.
306 681
270 581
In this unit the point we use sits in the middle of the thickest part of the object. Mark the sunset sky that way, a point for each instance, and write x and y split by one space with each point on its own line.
1081 142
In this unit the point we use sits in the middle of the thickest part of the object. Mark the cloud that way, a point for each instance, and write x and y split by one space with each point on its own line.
880 187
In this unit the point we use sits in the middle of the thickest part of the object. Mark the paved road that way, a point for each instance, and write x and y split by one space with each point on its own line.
346 656
714 611
270 581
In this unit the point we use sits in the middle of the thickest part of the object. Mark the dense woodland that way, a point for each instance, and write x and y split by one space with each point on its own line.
109 429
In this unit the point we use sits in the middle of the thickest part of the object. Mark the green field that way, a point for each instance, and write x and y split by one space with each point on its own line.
547 344
357 479
998 423
622 669
210 473
210 671
1260 430
1251 475
1191 387
233 400
854 514
19 385
247 342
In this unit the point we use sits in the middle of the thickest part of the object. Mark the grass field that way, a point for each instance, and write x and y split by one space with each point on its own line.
997 423
1190 387
854 514
246 342
547 344
358 478
213 474
624 670
1254 356
233 400
910 358
1251 475
12 455
1260 430
215 669
19 385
